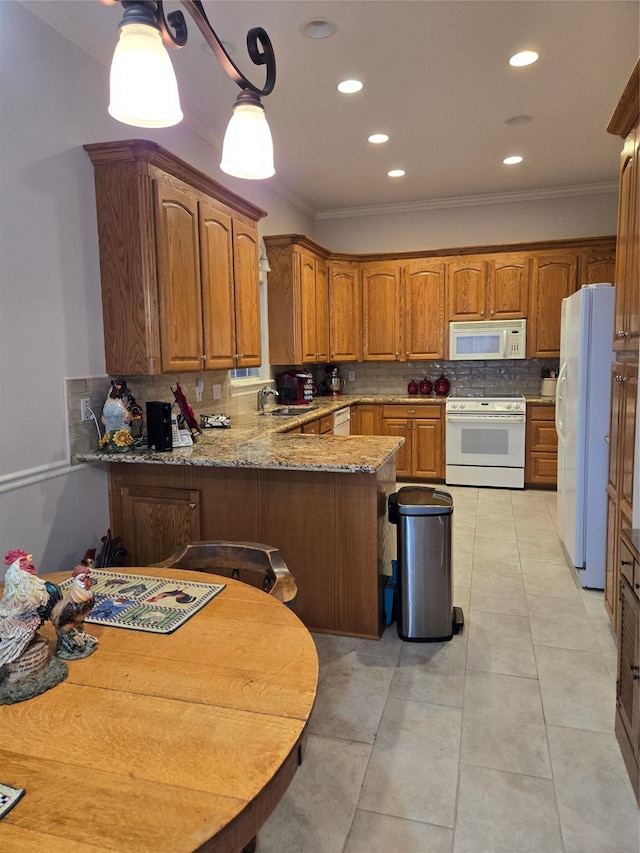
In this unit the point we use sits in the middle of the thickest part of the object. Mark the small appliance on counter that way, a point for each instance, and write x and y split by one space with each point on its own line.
295 388
334 383
159 436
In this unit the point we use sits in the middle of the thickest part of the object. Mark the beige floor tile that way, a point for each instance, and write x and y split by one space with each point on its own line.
494 593
431 672
413 770
330 647
561 622
503 724
577 689
546 577
495 556
500 643
533 546
316 812
595 800
501 812
351 695
377 833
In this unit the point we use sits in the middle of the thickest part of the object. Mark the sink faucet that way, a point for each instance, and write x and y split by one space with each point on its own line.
263 393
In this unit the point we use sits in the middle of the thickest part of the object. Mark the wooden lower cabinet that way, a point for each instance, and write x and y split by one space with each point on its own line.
156 520
331 529
422 428
321 426
366 419
628 681
541 446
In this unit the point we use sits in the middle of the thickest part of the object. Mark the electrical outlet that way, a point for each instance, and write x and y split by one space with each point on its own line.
352 376
217 392
85 406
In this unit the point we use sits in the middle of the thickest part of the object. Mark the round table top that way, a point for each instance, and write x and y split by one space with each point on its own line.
164 742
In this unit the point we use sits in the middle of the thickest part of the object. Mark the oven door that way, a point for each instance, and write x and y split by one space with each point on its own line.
485 440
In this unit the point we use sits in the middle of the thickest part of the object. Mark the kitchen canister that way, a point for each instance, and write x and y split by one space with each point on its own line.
548 387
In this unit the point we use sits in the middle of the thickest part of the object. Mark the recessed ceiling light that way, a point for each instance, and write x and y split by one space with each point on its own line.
525 57
377 138
396 173
318 28
511 161
348 87
515 120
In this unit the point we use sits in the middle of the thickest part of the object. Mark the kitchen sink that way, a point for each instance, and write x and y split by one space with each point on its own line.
288 411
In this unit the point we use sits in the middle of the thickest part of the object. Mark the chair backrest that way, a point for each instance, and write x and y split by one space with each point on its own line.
259 565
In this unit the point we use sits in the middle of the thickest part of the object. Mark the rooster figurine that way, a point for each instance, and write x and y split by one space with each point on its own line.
68 614
27 601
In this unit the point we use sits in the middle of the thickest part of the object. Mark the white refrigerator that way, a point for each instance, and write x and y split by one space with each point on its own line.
582 423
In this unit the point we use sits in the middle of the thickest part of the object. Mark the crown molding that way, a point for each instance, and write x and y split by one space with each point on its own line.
469 201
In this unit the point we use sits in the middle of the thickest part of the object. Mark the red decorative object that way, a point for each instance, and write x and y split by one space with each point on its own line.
426 387
441 386
412 387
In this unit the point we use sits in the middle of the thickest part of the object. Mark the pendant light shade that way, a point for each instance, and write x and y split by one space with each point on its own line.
247 151
144 90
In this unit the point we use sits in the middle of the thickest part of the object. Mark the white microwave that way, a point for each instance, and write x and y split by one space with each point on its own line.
487 339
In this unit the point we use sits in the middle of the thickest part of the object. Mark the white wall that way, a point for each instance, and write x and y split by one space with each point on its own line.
52 101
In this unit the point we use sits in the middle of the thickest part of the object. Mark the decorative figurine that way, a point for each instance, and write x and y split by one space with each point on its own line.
68 615
25 667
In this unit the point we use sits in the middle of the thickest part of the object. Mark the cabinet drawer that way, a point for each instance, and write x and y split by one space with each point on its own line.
409 411
326 424
543 436
312 428
542 469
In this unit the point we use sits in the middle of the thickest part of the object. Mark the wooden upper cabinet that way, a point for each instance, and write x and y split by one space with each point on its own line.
627 274
423 309
246 294
467 285
381 311
553 277
166 273
345 312
180 297
508 288
218 296
298 300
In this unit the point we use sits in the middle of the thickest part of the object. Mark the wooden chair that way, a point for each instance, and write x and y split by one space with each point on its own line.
258 565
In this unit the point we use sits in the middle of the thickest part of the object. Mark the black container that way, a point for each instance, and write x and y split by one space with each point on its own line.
159 426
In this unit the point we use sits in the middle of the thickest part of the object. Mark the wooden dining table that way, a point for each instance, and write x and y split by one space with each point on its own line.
164 742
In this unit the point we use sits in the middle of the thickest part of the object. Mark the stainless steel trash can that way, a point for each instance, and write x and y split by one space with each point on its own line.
423 517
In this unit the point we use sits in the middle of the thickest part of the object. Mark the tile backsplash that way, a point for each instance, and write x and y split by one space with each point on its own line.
487 378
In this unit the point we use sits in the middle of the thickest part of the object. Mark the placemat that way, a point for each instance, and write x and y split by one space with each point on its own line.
9 796
142 603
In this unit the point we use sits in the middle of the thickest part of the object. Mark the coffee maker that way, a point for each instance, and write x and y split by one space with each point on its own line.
333 381
295 388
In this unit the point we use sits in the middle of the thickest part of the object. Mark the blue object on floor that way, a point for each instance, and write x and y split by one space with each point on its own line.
390 592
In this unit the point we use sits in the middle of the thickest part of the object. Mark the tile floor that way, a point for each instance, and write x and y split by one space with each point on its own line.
499 741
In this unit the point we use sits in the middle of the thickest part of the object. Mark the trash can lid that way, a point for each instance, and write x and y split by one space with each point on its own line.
423 500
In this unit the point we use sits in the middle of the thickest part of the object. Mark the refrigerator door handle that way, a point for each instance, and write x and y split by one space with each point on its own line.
560 397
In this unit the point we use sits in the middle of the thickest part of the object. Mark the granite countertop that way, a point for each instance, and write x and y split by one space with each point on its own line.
261 441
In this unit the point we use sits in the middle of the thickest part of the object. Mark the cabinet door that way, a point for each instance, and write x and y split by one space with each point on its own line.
596 266
345 313
541 446
322 310
247 294
366 420
626 333
611 569
427 449
381 298
508 288
424 310
467 280
627 435
307 272
218 300
157 520
553 277
628 686
400 428
181 336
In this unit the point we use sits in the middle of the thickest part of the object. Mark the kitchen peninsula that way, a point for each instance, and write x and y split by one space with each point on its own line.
321 500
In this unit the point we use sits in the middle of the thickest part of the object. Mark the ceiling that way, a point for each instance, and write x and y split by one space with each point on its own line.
436 80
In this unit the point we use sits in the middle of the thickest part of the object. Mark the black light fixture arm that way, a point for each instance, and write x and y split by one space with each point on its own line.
174 34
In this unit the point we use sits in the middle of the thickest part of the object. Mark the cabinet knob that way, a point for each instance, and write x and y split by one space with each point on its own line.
621 335
492 311
482 313
192 506
619 379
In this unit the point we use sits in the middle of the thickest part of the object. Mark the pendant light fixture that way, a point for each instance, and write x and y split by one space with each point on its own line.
144 90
